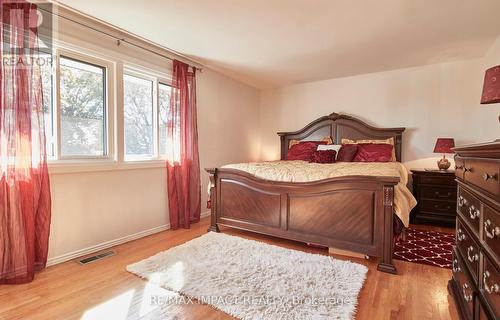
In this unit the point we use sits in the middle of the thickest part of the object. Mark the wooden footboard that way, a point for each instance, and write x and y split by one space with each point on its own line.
352 213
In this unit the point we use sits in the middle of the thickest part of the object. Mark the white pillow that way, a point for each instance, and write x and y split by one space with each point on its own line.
335 147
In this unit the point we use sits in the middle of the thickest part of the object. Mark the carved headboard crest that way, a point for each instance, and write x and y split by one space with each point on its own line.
341 126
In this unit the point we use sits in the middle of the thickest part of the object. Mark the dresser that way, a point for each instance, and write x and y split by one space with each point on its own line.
436 194
475 282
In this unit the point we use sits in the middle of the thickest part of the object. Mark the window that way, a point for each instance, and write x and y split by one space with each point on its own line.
82 109
146 104
138 105
163 116
76 123
79 106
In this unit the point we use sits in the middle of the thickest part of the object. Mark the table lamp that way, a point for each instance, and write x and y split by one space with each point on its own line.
444 145
491 86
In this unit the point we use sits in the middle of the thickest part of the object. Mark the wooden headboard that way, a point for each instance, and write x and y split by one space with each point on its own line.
338 127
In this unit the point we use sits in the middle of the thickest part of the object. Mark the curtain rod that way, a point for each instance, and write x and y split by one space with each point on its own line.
118 40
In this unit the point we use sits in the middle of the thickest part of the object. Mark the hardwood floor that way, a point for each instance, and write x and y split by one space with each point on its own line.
104 290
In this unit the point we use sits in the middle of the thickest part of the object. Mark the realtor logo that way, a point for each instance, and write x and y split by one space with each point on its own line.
26 28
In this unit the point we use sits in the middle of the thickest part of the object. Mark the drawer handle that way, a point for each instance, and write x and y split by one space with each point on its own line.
490 289
473 212
467 297
439 195
459 167
456 268
462 201
460 235
467 169
494 232
474 257
487 176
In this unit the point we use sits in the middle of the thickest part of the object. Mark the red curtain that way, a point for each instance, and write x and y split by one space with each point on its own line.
183 164
24 180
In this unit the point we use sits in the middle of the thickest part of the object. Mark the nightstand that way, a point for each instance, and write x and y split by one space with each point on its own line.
436 194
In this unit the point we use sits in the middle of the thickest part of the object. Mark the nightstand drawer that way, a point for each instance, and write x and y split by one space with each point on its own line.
441 193
445 180
438 207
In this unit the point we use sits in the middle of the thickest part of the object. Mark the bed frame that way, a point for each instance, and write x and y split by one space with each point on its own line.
352 213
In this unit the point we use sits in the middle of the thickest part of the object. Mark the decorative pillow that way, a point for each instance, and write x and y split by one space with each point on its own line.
303 150
324 156
376 141
335 147
347 152
326 140
374 152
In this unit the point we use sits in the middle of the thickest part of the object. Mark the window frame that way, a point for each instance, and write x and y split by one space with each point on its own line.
116 67
157 79
108 141
168 83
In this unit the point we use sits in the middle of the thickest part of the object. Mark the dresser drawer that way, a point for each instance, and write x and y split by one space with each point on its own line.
490 286
469 249
459 167
464 285
469 207
482 311
440 207
483 174
440 193
491 229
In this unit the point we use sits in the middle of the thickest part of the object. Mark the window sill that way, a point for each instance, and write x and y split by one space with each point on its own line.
68 167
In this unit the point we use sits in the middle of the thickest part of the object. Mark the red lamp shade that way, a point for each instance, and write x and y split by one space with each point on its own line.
491 87
444 145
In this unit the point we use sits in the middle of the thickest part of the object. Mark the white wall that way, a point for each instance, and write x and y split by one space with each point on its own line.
440 100
102 203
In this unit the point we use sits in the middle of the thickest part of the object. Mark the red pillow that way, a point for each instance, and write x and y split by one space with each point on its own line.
374 152
347 152
303 150
324 156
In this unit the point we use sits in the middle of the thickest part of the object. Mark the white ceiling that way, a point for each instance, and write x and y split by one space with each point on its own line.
270 43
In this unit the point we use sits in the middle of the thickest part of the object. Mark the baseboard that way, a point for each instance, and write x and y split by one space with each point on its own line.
112 243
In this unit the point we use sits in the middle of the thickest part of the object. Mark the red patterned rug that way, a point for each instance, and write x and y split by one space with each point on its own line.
427 247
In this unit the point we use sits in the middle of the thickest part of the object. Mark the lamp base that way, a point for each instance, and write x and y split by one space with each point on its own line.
443 164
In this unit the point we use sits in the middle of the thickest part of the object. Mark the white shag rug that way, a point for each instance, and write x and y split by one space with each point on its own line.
253 280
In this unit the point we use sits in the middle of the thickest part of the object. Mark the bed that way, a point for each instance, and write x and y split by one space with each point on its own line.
349 211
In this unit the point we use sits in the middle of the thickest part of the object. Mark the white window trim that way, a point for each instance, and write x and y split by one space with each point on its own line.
167 82
116 67
109 67
147 74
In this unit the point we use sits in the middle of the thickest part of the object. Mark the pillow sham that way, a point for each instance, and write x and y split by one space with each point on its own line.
303 150
347 152
374 152
326 140
324 156
376 141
